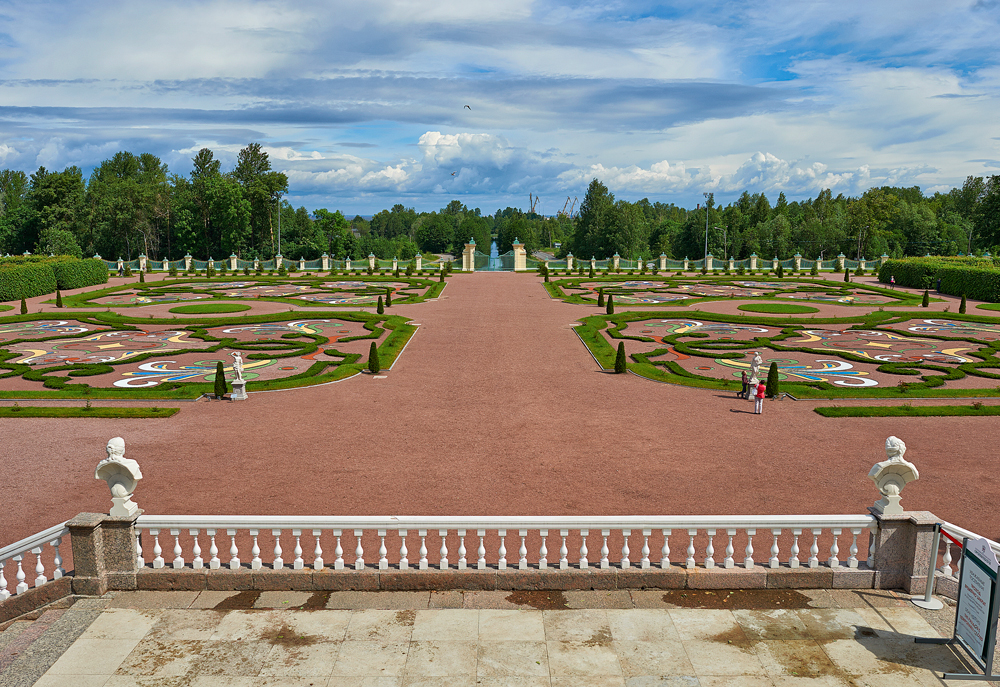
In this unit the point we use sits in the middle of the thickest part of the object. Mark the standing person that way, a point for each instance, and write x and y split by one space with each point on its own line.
939 285
892 282
746 386
121 271
758 405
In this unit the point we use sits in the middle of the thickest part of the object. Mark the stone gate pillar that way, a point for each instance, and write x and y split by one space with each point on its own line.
687 264
142 262
371 261
569 262
469 256
395 264
863 263
615 261
520 256
256 264
593 262
774 263
663 262
420 262
798 262
187 262
753 262
347 264
841 264
326 262
732 264
232 261
709 262
121 264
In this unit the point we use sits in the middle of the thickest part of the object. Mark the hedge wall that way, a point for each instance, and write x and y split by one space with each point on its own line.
75 274
28 276
978 281
26 280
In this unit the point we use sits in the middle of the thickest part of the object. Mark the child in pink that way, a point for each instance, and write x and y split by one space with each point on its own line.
758 405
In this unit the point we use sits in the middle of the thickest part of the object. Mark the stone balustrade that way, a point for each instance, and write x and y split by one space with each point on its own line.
12 558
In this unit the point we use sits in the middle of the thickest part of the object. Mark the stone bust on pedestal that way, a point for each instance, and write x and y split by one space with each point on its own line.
122 475
891 475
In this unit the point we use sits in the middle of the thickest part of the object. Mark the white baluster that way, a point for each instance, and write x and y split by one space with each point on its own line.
423 549
383 553
563 551
318 551
543 551
443 563
178 558
945 568
958 568
774 561
213 563
710 551
689 563
298 563
279 562
255 563
872 537
584 563
748 559
4 594
522 561
814 550
625 562
404 563
40 577
852 562
481 559
57 560
462 563
665 551
502 562
234 553
644 561
196 563
22 586
605 563
729 562
140 562
359 553
793 560
338 552
158 561
833 561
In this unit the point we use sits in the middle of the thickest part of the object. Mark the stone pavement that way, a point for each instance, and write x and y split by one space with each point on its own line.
640 638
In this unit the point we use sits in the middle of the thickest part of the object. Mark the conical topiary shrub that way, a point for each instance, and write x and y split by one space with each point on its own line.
381 308
847 276
220 380
771 390
388 298
781 271
611 304
600 298
142 276
961 308
814 271
620 361
59 299
441 277
373 364
24 307
926 301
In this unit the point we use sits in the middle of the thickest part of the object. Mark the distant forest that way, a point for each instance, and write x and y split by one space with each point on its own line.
132 204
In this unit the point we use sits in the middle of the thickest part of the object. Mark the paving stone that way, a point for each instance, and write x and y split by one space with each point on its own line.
773 624
641 625
379 600
446 624
511 625
446 599
653 658
153 599
583 659
512 658
619 598
440 659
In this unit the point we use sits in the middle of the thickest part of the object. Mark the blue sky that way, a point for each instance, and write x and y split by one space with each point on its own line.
363 104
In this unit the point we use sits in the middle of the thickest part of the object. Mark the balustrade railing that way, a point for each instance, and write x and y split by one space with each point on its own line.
13 556
213 542
945 555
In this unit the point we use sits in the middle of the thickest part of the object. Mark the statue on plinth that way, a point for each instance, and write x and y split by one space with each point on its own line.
755 364
122 475
238 365
891 475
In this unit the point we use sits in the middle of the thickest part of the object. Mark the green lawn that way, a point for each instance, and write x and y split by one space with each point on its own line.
988 306
48 411
6 307
907 410
209 308
782 308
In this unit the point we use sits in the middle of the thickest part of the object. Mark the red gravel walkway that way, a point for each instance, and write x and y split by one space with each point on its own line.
496 408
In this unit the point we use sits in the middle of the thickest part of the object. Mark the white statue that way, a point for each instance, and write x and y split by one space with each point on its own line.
755 368
238 365
891 475
122 475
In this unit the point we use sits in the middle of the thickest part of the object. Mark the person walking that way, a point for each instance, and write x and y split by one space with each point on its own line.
892 282
758 405
746 386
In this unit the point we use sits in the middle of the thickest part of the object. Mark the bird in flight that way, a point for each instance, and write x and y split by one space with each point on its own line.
454 173
468 107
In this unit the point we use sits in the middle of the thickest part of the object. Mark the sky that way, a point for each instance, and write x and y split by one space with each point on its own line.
368 104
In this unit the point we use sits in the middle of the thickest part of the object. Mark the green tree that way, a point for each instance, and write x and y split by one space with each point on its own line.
380 308
59 302
925 303
220 380
621 364
24 307
771 390
961 307
263 188
611 304
373 362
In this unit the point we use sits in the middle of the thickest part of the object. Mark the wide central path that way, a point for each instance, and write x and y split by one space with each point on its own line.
496 407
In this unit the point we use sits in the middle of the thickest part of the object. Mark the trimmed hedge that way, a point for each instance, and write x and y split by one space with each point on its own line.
979 281
26 277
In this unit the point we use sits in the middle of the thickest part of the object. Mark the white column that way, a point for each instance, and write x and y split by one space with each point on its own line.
748 561
213 550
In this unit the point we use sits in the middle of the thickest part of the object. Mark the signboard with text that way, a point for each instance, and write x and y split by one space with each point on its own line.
976 615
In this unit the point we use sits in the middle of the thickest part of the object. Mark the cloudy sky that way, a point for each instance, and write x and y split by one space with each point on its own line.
363 104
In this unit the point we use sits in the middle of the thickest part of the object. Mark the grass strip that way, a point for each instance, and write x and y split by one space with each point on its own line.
46 411
907 410
784 308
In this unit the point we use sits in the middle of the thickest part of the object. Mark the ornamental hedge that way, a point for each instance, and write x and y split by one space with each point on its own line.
980 280
29 276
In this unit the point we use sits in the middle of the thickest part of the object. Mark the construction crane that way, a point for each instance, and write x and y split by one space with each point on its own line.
532 202
572 214
568 205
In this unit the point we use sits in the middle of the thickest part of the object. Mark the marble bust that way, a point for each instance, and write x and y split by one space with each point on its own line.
891 476
122 476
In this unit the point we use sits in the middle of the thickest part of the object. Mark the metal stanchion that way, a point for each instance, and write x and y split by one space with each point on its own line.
928 602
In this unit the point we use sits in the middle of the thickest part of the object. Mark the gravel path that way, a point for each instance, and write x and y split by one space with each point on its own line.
496 407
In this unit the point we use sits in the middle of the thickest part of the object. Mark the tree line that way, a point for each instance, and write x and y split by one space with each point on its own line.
132 204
